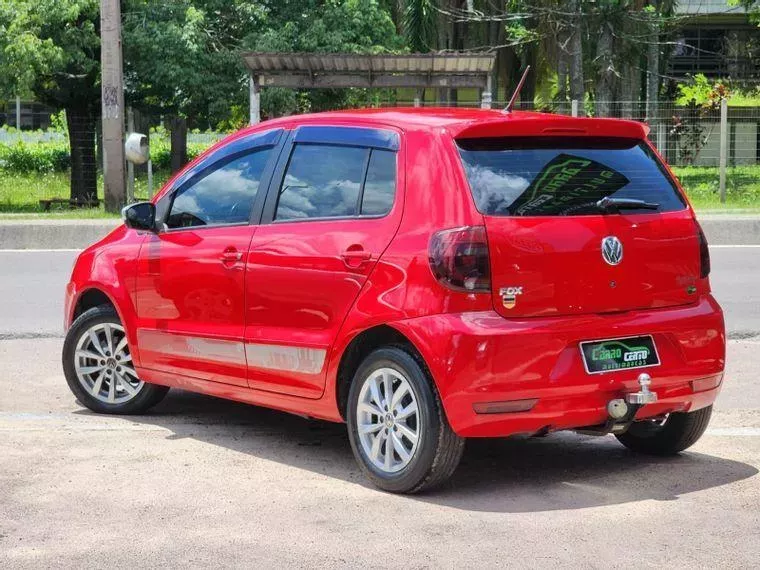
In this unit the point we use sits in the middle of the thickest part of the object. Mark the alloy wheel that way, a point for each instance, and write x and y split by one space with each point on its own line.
387 419
104 366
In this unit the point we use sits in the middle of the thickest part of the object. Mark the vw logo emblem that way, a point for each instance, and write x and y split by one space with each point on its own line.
612 250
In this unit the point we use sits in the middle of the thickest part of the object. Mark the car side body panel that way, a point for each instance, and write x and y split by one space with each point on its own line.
301 281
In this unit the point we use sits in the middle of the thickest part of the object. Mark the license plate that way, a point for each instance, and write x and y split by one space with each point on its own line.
619 354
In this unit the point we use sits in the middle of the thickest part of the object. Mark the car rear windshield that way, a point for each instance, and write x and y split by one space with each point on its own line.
550 176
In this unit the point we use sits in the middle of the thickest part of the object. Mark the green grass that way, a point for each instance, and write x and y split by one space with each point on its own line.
702 186
20 193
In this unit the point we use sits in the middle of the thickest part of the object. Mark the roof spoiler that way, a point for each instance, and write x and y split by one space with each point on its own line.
539 124
516 94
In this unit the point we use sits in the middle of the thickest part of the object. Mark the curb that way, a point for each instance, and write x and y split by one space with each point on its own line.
730 230
719 229
53 234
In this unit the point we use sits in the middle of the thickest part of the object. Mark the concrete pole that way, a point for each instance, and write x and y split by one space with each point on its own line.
574 107
150 179
130 164
661 138
18 115
112 90
254 100
723 148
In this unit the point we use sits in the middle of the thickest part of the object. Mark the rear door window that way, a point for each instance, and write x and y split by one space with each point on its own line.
549 176
335 181
322 181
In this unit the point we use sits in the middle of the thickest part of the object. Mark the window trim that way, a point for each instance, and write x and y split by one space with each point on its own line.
365 137
286 153
271 139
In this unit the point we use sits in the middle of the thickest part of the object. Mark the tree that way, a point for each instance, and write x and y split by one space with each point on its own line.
653 61
577 85
51 49
419 25
330 26
182 63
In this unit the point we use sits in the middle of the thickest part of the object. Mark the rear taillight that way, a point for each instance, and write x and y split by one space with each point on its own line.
704 253
459 259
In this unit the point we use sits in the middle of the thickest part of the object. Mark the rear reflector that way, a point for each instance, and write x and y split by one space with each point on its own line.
709 383
508 407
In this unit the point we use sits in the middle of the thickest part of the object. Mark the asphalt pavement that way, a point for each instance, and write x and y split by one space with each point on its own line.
32 285
202 482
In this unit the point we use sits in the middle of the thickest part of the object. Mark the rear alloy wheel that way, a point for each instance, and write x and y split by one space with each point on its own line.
388 420
668 436
99 369
398 431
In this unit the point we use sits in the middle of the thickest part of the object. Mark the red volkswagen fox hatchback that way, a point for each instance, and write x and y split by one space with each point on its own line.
423 275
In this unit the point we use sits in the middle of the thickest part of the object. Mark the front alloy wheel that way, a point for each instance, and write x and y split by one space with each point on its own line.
104 366
98 366
396 424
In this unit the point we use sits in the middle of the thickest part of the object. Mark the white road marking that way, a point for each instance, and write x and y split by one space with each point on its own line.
736 246
734 432
60 250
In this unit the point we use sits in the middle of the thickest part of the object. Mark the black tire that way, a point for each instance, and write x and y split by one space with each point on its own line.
439 449
148 395
679 431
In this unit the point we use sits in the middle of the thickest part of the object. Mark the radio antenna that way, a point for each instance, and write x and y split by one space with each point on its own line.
508 108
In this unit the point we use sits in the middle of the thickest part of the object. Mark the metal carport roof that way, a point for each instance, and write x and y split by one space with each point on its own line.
327 70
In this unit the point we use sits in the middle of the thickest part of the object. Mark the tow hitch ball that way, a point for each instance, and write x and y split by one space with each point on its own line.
623 410
620 408
643 396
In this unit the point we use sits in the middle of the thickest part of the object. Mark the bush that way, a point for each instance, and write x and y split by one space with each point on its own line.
23 157
43 157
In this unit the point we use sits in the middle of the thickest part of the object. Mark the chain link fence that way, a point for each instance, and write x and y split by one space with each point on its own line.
716 160
690 138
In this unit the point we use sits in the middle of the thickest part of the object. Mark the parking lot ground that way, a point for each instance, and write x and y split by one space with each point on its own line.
209 483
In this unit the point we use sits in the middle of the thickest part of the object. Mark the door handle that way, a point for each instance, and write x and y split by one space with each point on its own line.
355 255
231 256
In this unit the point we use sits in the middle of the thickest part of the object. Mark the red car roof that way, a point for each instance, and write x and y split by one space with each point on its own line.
476 123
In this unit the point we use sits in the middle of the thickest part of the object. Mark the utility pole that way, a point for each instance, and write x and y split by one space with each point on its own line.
112 92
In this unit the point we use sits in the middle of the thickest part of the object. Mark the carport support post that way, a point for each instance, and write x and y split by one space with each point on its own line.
254 99
418 94
485 97
723 148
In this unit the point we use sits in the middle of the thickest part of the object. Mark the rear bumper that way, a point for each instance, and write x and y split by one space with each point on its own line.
481 358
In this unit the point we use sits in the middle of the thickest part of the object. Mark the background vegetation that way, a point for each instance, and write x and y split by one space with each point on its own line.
183 69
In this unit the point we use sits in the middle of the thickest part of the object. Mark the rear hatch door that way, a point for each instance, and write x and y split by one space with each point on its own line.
555 251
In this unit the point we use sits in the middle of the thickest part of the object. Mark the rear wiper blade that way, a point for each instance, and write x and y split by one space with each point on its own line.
614 204
608 204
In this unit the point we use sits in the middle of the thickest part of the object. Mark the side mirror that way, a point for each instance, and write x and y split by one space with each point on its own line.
140 216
